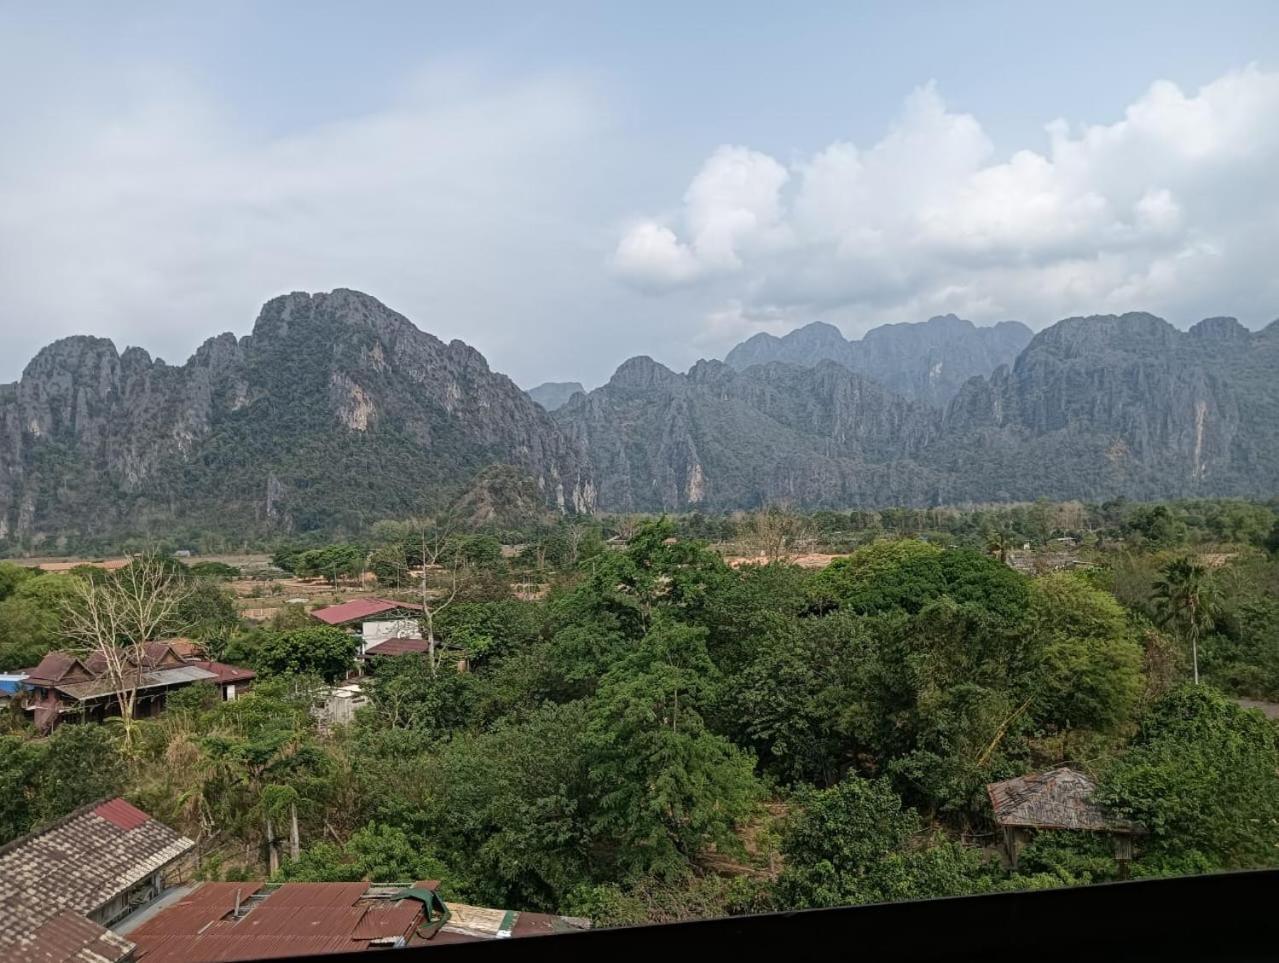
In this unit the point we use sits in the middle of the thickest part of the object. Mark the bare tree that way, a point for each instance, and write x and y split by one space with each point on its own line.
114 619
435 537
776 532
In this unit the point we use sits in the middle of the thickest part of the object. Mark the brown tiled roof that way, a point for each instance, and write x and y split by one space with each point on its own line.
357 610
56 666
155 655
76 866
1057 799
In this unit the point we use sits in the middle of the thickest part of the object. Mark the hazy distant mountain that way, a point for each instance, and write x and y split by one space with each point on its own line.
335 412
926 362
1092 408
553 394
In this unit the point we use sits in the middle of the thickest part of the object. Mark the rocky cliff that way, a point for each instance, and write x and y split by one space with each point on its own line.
926 362
1091 408
335 411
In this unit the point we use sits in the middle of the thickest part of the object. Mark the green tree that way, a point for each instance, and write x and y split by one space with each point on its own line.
11 576
851 844
323 651
666 786
1184 598
1091 676
1203 777
406 694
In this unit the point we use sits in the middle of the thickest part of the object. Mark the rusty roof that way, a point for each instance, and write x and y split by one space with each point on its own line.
397 647
66 937
76 866
158 678
1057 799
223 672
357 610
301 919
55 666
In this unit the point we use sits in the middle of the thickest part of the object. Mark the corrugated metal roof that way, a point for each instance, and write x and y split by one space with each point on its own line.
149 680
398 647
120 813
69 937
357 610
193 913
316 918
225 673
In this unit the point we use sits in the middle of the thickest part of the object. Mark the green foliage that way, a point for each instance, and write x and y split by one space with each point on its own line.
322 651
1091 674
11 576
214 570
510 808
852 843
1203 777
31 618
376 853
666 786
489 629
909 574
42 781
406 694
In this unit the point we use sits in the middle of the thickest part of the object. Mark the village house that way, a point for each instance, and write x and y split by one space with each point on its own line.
65 686
247 921
1057 799
374 620
61 888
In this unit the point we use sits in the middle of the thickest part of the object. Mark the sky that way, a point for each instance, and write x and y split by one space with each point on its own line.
566 185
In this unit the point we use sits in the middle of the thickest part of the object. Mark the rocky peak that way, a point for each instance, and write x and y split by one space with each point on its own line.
1221 329
643 372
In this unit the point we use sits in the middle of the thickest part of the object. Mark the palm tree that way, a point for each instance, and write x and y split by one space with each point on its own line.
998 543
1183 598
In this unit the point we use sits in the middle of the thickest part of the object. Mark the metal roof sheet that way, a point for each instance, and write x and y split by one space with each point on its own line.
357 610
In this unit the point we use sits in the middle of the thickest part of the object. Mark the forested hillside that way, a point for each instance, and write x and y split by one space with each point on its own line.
664 735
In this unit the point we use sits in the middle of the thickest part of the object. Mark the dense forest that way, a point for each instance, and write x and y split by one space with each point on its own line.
690 718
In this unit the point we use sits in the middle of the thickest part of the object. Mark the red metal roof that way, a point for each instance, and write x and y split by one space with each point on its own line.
120 813
190 915
398 647
357 610
300 919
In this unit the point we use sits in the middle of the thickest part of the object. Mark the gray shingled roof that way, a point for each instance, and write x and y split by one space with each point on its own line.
1057 799
77 866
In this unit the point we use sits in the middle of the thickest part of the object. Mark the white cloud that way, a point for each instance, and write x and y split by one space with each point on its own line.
1166 209
163 218
732 210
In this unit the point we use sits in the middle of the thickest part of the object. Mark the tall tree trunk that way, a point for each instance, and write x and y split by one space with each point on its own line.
295 845
272 858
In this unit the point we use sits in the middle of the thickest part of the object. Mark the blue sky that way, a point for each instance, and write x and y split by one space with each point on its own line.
567 184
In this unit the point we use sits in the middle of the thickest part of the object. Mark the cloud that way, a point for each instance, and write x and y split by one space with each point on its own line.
165 217
1169 208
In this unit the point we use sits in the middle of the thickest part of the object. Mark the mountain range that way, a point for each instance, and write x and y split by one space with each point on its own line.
926 362
337 411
